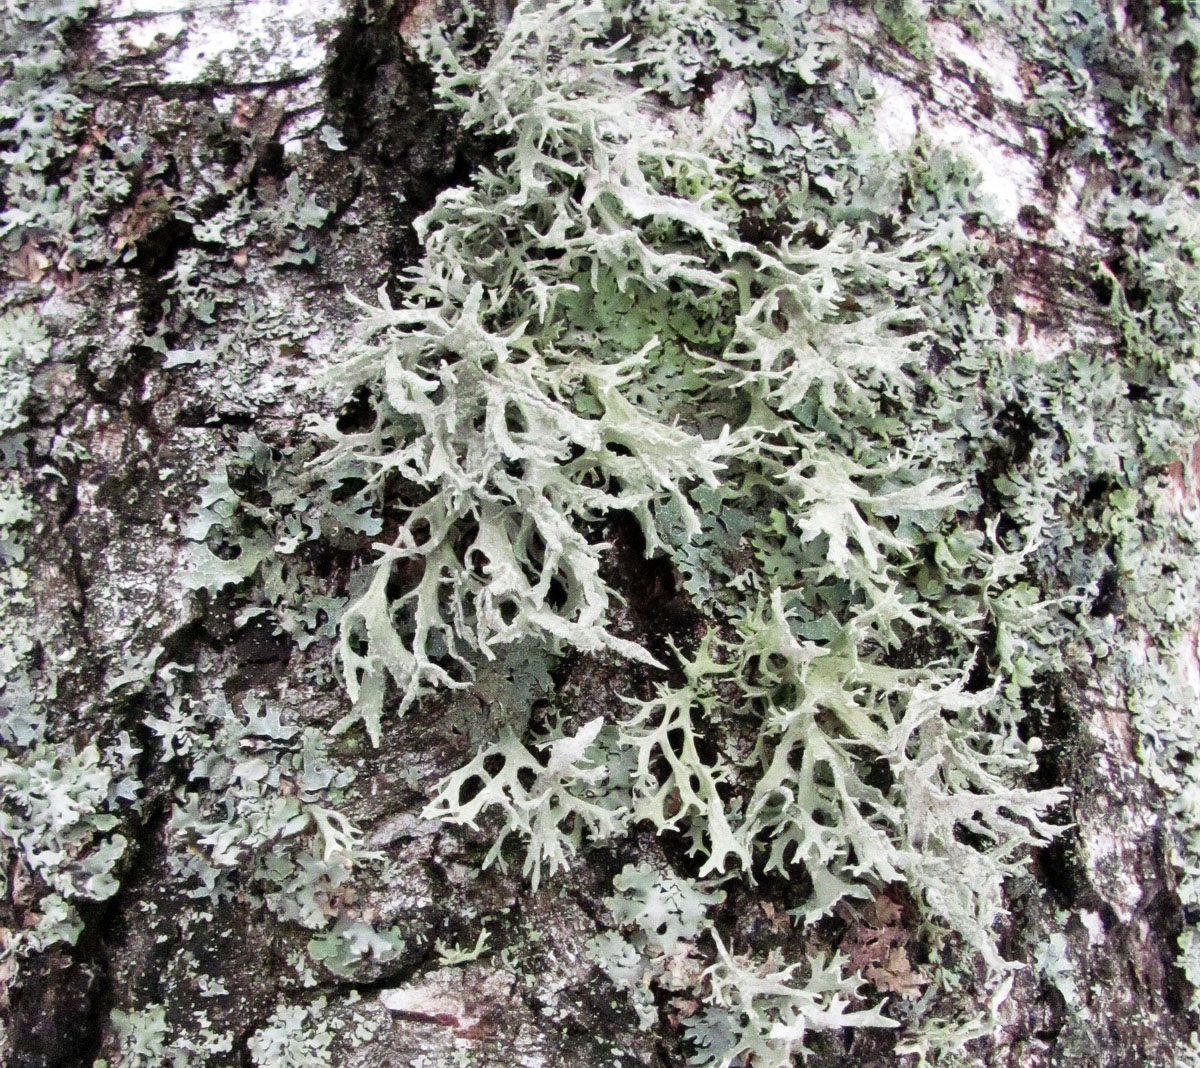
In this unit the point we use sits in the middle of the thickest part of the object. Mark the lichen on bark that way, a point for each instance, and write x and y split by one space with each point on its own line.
660 625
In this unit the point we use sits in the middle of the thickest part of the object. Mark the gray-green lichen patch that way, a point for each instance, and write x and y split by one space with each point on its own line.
731 482
137 216
499 519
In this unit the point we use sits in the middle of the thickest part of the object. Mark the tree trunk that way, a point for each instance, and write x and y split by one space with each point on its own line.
250 818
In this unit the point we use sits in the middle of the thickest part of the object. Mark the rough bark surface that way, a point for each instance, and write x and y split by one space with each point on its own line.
316 120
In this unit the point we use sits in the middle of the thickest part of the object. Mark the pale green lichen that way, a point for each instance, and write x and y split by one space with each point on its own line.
564 798
891 568
588 333
43 121
60 800
255 819
1126 427
761 1013
302 1036
145 1039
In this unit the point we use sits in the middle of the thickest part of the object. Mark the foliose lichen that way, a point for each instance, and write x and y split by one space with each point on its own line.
697 292
591 332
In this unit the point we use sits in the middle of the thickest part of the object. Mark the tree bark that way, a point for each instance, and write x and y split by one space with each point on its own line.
231 172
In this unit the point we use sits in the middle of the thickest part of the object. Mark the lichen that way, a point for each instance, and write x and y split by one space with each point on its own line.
700 301
589 333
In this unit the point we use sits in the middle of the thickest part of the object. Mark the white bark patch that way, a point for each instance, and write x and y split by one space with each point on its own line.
1182 476
428 1003
255 41
1110 853
896 115
1007 178
993 58
402 825
460 1004
1069 218
418 16
848 20
1043 345
1110 724
1094 926
1189 663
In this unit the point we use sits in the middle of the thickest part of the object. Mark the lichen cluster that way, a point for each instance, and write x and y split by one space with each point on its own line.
80 193
592 331
697 304
61 797
1117 429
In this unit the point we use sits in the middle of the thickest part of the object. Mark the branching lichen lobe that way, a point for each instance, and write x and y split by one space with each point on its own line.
701 290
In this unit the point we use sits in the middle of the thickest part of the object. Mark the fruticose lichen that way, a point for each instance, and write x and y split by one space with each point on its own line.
592 332
699 303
